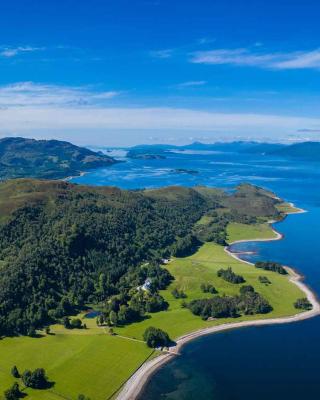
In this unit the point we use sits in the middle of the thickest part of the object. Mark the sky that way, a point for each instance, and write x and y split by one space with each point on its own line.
123 72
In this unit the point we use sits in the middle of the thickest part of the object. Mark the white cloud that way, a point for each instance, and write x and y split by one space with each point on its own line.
206 40
32 94
191 84
300 60
245 57
165 53
9 52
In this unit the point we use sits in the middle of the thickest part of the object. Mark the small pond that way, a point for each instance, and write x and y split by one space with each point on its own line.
92 314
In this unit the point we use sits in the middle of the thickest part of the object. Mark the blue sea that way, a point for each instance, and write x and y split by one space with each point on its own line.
275 362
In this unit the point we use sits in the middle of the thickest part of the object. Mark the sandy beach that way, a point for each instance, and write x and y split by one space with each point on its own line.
133 387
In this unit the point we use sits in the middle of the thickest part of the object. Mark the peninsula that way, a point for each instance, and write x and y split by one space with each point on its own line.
87 271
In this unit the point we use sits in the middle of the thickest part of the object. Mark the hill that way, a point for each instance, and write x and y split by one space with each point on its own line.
50 159
228 147
309 151
64 246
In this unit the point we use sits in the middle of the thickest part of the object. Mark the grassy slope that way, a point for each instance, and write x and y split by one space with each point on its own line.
287 208
96 364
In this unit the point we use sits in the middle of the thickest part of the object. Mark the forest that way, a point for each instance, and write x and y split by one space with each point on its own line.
63 246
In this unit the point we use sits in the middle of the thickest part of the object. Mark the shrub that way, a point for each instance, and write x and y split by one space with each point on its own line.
208 288
178 294
229 276
76 323
264 279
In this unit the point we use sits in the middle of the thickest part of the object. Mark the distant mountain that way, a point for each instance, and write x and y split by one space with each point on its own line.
229 147
307 151
220 146
51 159
264 148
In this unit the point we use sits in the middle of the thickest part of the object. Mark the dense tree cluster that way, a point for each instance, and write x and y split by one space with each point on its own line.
271 266
155 337
303 304
35 379
230 276
248 302
85 245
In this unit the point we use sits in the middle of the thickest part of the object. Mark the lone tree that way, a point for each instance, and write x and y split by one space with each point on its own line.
156 337
13 393
15 372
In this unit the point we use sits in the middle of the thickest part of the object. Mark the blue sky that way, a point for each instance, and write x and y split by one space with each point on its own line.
123 72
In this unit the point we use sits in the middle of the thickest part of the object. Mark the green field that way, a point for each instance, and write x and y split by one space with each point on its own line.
201 267
238 231
97 364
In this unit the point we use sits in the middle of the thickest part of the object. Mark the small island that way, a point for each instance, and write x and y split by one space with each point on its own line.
143 155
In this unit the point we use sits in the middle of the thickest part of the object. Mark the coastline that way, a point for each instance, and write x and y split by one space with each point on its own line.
135 384
68 178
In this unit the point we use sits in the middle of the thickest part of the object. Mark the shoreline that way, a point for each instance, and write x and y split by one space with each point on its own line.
68 178
136 383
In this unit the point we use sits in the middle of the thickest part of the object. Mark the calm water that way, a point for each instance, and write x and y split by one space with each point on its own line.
280 362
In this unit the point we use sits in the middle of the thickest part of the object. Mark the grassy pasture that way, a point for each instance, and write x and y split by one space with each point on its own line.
95 365
202 267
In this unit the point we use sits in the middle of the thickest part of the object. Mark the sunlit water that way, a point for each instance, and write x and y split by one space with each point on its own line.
275 362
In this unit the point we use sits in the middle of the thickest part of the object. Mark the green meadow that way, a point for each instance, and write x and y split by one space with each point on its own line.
96 364
238 231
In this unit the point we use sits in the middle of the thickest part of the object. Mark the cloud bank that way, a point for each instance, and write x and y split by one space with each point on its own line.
41 110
